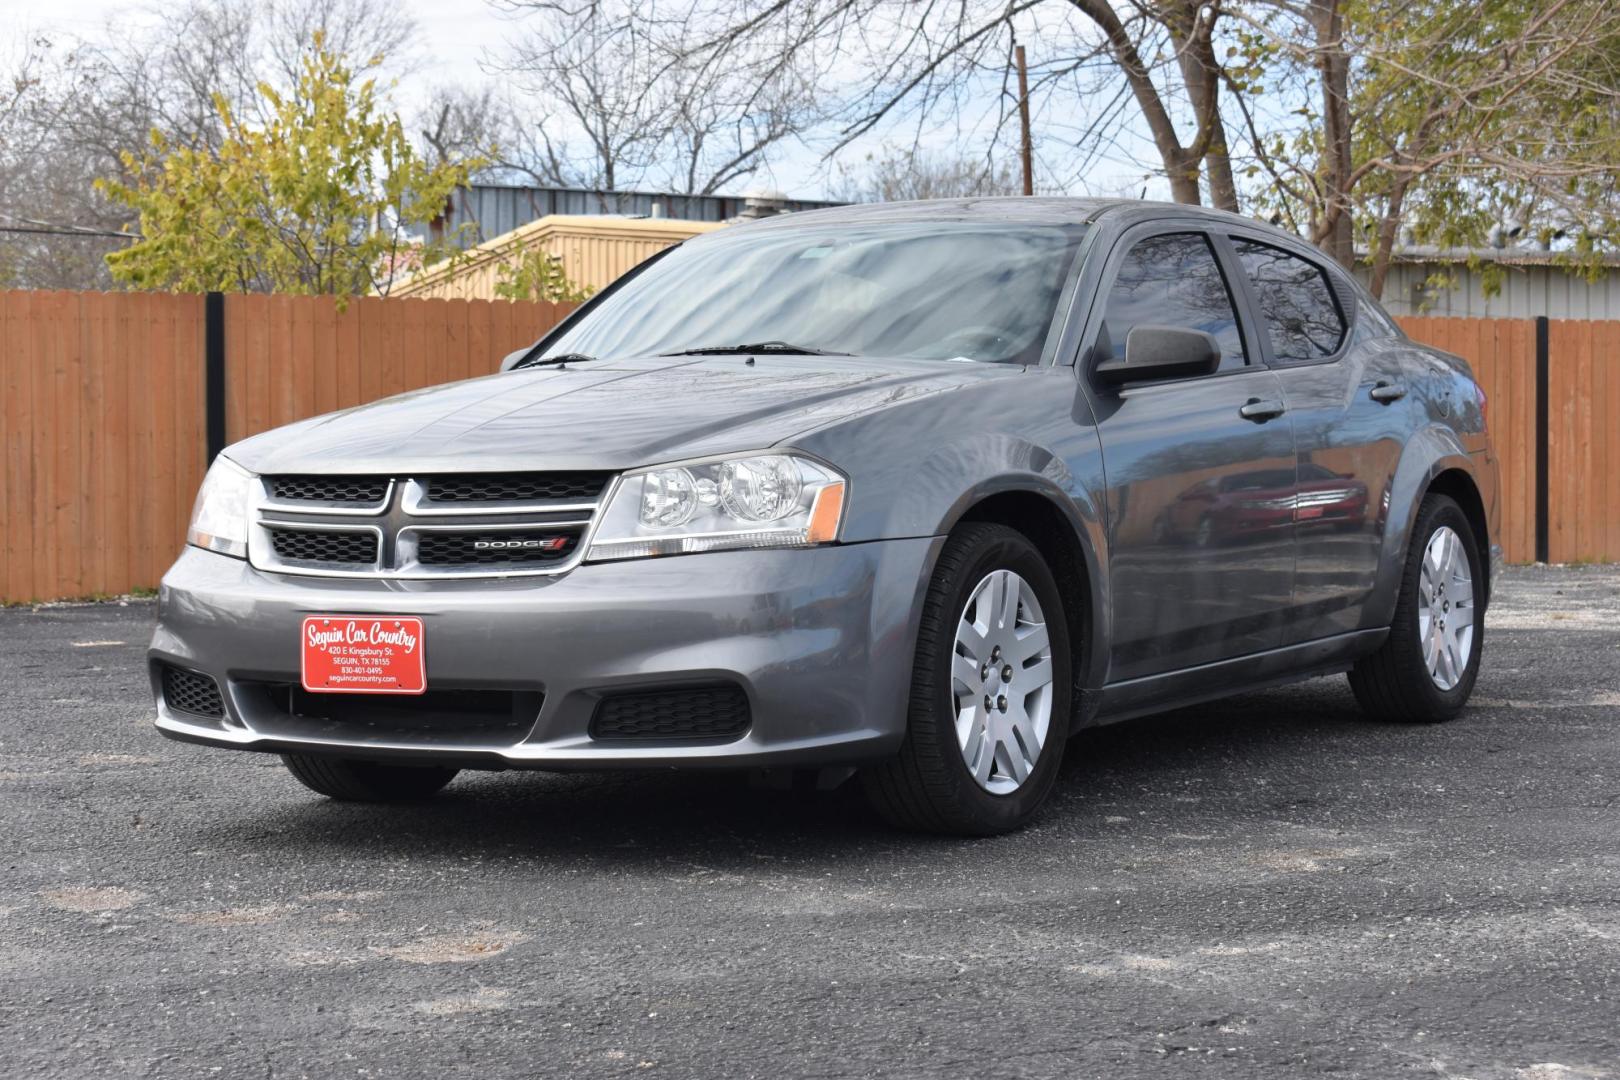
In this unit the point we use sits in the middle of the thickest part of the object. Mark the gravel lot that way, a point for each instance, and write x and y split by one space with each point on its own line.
1268 887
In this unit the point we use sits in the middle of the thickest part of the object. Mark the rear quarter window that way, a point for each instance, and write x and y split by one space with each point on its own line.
1376 320
1297 306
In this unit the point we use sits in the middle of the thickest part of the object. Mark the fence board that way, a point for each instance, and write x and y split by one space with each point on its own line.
1583 450
20 505
45 461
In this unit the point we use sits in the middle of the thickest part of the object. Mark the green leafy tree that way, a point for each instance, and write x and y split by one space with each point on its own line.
316 199
536 274
1446 119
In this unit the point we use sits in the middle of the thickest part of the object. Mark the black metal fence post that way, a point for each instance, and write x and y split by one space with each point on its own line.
214 372
1543 412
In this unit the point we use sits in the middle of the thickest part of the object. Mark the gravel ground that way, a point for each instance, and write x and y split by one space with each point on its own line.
1266 887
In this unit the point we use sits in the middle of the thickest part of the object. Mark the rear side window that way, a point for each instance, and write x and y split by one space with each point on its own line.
1372 313
1296 302
1173 280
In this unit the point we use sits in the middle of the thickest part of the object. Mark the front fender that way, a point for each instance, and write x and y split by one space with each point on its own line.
1430 451
918 468
1074 505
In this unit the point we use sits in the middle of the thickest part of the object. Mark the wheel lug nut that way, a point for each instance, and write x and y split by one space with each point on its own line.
988 704
1006 673
984 672
1001 703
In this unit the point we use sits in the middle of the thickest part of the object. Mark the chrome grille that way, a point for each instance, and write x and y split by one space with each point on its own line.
442 525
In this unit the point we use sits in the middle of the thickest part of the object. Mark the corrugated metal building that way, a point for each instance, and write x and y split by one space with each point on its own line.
1533 283
492 210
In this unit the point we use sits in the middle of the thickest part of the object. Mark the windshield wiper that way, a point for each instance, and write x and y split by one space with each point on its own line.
762 348
552 361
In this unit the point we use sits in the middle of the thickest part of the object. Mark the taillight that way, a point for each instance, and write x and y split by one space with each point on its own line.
1479 392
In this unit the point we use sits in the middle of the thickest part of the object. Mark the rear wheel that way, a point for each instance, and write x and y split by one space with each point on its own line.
990 692
1426 668
367 781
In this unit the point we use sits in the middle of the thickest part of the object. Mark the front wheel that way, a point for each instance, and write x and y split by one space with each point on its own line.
1425 670
366 781
990 692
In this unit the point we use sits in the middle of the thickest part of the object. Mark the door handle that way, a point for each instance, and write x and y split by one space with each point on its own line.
1386 393
1261 411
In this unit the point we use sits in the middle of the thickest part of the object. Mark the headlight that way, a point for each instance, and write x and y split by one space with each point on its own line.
219 518
754 501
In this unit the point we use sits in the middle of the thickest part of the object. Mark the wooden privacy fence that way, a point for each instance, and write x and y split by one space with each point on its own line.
1502 353
1553 389
105 414
112 400
288 357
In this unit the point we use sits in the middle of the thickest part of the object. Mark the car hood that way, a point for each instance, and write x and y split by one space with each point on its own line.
603 415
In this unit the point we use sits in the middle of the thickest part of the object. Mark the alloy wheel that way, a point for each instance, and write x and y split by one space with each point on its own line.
1001 682
1446 608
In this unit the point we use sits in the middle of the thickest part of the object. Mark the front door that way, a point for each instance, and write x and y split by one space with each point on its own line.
1200 473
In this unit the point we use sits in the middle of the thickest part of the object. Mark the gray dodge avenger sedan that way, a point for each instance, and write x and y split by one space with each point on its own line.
912 492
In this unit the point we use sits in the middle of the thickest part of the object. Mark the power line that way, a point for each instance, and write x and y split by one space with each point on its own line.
53 228
51 231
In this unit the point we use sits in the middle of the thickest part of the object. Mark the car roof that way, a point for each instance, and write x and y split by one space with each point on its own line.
1003 209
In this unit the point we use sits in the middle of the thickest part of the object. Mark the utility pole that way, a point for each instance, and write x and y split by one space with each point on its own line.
1023 120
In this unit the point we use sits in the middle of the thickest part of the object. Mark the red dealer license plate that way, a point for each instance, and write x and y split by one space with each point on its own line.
363 654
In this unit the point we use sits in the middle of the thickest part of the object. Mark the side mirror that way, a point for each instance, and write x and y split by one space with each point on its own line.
513 358
1162 352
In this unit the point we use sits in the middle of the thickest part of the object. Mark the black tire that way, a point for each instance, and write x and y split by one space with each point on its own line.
928 787
367 781
1394 683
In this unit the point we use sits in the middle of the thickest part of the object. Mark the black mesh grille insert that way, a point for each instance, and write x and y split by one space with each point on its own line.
520 547
684 712
308 545
448 717
330 489
188 692
515 487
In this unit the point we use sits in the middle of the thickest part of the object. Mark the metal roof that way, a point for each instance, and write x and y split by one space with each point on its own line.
491 210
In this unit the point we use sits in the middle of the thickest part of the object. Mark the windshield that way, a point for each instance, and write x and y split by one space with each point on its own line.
923 290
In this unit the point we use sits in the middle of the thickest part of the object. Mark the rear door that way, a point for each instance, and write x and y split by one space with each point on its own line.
1199 472
1342 380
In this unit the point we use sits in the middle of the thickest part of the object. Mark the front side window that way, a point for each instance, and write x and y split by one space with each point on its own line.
1172 280
1296 302
937 290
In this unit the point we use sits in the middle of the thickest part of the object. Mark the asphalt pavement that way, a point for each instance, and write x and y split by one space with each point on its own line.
1265 887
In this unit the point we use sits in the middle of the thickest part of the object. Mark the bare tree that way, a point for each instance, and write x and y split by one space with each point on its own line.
617 97
596 82
457 121
368 32
925 62
915 173
54 229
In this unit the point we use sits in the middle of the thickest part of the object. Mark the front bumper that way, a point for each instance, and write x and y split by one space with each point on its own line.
820 640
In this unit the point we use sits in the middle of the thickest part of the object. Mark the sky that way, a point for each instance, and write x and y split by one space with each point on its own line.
455 36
